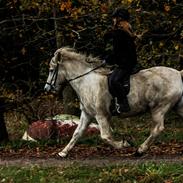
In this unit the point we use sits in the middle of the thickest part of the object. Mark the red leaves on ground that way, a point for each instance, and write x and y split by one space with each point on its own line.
89 151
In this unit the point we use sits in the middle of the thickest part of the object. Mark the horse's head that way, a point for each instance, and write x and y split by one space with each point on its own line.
56 77
67 65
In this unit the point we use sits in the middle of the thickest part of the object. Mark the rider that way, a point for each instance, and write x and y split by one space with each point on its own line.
123 54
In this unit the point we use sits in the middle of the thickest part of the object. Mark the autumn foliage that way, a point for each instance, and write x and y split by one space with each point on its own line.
32 30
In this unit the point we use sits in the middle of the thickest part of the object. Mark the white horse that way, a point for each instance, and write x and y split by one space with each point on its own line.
157 89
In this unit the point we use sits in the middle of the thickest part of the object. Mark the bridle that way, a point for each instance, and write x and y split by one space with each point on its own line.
55 75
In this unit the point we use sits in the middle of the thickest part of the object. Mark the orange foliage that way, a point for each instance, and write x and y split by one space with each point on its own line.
66 6
167 8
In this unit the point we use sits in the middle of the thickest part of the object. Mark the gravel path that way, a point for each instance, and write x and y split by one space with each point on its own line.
59 162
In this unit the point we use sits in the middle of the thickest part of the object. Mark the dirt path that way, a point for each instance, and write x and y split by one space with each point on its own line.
89 155
52 162
94 161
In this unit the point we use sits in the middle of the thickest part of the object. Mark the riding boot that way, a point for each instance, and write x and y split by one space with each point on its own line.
122 105
122 101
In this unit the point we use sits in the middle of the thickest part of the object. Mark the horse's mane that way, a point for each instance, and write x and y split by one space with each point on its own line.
92 62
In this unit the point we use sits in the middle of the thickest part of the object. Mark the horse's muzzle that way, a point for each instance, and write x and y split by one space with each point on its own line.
52 88
48 87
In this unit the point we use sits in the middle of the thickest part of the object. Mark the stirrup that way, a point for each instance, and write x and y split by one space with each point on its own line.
117 106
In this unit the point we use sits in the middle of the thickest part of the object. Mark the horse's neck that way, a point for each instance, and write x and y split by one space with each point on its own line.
74 70
81 77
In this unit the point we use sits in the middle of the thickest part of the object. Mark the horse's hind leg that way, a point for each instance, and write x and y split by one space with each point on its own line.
84 121
105 132
158 126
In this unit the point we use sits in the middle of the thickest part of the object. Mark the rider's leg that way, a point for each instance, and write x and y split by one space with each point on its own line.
118 78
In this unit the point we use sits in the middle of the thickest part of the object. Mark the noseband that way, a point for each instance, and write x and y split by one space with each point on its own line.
55 75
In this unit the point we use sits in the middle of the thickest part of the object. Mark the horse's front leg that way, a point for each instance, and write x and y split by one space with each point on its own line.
106 134
84 121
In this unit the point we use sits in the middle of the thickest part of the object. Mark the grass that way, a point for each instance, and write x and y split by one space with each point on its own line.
136 128
142 173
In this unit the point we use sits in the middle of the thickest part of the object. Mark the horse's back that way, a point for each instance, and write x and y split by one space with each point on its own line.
158 70
161 73
155 85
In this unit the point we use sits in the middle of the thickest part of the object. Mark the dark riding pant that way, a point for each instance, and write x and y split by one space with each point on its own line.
118 77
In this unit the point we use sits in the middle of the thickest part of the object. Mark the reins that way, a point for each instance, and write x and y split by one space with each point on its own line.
85 73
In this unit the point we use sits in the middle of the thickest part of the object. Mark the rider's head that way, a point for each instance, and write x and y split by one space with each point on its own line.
120 14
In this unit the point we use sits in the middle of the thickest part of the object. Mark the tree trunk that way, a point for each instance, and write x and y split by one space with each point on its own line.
3 130
181 58
69 95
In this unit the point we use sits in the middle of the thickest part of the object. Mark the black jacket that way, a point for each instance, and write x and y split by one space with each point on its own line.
124 49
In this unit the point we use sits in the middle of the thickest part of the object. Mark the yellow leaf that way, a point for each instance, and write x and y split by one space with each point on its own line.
176 47
23 51
161 44
167 8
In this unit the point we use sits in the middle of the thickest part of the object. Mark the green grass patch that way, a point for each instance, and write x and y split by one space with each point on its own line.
142 173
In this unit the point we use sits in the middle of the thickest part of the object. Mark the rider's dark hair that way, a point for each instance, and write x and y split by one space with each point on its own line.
121 13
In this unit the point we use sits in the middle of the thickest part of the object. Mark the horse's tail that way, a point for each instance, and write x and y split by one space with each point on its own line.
181 72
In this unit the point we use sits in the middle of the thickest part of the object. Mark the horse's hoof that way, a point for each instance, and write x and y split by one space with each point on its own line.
138 154
62 154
